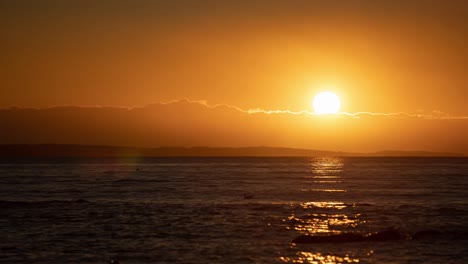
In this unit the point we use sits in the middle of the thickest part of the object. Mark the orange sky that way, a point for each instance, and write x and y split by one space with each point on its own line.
378 56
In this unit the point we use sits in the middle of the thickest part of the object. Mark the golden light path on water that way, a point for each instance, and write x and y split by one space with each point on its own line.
309 257
316 221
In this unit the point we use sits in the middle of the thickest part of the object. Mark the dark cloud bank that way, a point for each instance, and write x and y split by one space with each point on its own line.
187 123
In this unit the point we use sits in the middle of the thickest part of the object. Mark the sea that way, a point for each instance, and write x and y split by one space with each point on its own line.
234 210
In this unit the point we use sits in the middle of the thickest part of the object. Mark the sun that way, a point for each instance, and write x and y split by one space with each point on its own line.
326 103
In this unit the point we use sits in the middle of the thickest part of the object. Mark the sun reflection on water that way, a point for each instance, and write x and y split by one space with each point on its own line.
321 166
325 172
326 181
323 223
323 217
318 258
336 205
322 190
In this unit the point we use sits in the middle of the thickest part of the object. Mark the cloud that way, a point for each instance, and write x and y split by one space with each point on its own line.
436 114
186 122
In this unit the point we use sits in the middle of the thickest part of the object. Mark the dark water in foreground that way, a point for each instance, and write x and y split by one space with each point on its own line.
200 210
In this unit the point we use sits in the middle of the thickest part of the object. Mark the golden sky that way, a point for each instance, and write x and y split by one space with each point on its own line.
379 57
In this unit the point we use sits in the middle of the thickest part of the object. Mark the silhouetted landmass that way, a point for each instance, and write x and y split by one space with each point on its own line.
57 150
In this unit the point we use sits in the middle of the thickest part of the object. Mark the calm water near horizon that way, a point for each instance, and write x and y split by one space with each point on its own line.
232 210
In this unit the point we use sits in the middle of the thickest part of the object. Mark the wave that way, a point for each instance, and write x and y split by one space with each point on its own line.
390 234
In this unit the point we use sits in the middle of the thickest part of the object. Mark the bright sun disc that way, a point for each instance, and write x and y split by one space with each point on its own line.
326 103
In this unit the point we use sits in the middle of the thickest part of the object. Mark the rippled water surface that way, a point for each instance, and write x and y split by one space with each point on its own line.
232 210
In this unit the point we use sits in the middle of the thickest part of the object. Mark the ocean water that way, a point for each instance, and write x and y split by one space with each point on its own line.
233 210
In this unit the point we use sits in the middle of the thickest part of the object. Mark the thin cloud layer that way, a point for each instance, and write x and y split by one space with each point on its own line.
187 122
433 115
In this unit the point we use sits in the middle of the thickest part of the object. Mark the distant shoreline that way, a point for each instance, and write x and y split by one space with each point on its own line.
96 151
